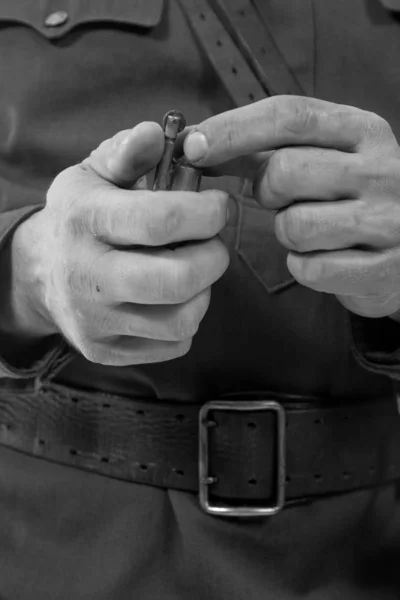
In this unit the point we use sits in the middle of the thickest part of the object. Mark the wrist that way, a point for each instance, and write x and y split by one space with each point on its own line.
23 316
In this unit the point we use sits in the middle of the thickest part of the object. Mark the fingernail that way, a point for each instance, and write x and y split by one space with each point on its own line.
195 146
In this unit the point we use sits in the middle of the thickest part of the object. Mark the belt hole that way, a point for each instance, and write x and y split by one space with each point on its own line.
74 400
234 70
210 423
104 459
143 467
263 50
41 442
178 472
219 43
346 475
252 97
319 421
73 451
242 13
202 16
371 470
106 405
180 418
318 477
253 481
288 479
140 412
252 425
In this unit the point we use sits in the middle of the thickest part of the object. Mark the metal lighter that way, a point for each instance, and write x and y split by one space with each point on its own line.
173 173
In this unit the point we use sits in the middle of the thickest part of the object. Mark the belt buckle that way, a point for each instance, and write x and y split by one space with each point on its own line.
205 480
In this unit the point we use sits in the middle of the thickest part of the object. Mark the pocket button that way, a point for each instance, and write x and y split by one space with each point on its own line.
56 19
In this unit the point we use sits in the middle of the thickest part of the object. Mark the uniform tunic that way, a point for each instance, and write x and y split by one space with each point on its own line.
73 73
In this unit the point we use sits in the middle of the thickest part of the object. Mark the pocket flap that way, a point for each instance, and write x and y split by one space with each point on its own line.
72 13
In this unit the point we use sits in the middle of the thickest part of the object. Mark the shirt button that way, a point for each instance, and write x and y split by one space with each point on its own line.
56 19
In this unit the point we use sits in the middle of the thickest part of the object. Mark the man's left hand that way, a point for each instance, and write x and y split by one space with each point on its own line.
332 172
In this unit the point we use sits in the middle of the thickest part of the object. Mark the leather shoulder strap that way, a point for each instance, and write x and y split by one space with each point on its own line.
241 49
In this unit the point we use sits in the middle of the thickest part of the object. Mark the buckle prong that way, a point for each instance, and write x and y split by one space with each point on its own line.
205 480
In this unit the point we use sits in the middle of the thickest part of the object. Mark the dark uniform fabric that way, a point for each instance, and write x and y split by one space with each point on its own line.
66 534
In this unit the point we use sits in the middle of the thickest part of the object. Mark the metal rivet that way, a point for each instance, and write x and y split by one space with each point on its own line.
56 19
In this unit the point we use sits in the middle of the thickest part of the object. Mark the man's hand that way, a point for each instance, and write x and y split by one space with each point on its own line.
333 174
96 261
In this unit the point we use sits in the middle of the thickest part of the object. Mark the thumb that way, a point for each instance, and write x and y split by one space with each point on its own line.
130 154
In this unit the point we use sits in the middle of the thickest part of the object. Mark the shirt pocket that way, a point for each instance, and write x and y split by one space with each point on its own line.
55 20
258 246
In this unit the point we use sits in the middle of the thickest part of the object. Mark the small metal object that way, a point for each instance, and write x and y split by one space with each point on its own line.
205 480
185 176
173 123
56 19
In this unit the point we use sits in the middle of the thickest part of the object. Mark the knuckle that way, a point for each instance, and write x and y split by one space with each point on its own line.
76 279
293 228
186 323
185 282
161 227
216 211
295 115
312 272
376 129
99 354
81 280
76 225
181 348
278 171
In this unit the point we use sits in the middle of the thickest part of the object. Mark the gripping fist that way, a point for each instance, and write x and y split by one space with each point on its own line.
102 271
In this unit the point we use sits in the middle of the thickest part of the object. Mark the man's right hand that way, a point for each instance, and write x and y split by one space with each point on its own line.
95 262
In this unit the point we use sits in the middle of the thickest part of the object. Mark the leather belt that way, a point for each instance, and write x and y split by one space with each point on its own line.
246 455
241 49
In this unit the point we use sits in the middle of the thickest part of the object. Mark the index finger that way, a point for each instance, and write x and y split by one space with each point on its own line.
273 123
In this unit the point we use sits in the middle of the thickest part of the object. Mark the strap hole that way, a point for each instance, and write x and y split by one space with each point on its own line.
202 16
105 459
242 13
180 418
41 442
346 475
219 43
73 451
288 479
253 481
140 412
252 97
234 70
143 467
319 421
106 405
318 477
74 400
252 425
